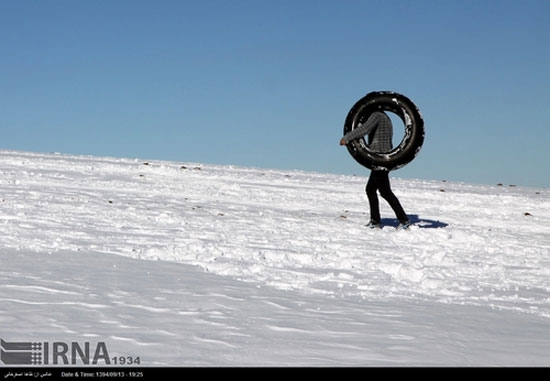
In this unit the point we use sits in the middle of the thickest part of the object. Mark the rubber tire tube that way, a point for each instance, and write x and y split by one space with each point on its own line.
409 147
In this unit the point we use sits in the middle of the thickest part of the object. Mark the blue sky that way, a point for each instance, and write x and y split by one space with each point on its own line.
269 83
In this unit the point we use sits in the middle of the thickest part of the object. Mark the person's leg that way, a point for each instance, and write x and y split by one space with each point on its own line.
383 183
371 189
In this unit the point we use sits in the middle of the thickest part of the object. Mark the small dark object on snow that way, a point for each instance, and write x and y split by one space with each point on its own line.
499 184
442 190
183 167
527 214
146 164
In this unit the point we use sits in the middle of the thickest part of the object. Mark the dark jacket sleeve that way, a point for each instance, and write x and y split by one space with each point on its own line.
363 129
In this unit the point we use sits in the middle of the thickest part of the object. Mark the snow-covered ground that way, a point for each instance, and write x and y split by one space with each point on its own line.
193 264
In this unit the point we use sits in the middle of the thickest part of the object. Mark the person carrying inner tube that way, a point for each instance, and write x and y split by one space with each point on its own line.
379 129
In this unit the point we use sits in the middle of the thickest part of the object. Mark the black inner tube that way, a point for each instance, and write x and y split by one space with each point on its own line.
409 147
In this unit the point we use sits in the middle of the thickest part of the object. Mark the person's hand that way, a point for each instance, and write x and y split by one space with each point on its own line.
343 142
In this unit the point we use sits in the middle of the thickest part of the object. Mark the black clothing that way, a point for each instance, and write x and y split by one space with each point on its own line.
379 129
380 181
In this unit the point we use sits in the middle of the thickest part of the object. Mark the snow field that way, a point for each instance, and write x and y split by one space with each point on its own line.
290 230
475 254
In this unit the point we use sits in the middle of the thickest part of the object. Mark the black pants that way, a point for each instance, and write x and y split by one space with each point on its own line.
380 181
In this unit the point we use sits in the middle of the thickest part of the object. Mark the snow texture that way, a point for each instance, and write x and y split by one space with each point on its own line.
195 264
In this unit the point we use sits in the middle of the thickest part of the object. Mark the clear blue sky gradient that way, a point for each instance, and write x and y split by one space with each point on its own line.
267 83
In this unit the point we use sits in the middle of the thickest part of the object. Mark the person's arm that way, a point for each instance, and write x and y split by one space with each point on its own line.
362 130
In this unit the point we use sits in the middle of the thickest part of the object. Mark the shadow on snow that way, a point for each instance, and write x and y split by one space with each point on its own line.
422 223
